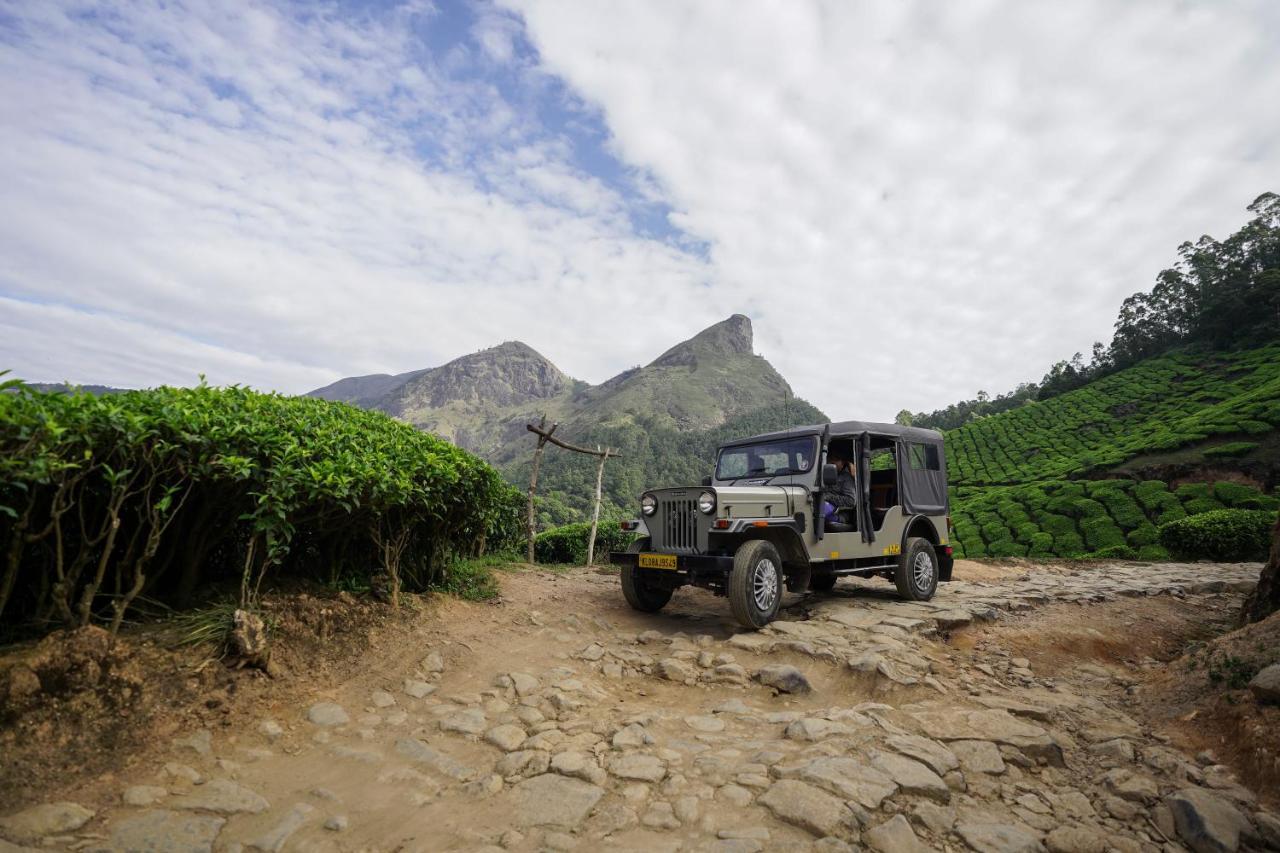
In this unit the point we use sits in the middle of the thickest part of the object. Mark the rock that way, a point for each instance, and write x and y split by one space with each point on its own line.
168 831
640 768
1268 829
527 762
631 736
200 743
940 759
1075 839
660 815
222 796
978 756
1206 822
704 723
815 729
805 806
734 795
270 729
997 725
418 689
1135 787
181 771
592 652
551 800
433 663
382 699
524 683
580 765
848 778
1000 838
674 669
468 722
783 678
273 840
327 714
506 738
1117 749
1120 809
337 823
933 817
32 824
144 795
1265 686
418 752
894 836
910 775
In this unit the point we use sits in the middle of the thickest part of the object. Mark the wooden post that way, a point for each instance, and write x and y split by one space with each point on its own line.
544 434
595 513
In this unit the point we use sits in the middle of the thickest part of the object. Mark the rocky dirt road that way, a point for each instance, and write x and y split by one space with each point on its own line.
558 719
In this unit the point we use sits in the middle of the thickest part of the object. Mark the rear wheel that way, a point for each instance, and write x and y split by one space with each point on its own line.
822 582
637 586
755 584
917 573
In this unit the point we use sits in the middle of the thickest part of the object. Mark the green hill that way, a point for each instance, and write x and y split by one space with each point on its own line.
1096 470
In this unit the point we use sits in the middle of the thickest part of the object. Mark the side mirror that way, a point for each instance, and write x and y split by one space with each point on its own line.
829 474
706 481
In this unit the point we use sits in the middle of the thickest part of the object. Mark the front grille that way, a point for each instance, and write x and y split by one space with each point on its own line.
679 525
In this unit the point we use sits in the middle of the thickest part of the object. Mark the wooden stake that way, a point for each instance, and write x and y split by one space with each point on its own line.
595 513
544 435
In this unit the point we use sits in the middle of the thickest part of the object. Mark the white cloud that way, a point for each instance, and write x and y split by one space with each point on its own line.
918 200
913 200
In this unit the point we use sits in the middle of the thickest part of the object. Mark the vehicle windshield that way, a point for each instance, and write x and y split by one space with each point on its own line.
767 459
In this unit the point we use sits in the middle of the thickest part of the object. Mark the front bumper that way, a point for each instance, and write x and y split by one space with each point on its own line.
690 565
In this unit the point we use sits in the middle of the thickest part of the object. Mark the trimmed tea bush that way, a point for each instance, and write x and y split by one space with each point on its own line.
1230 450
568 544
1224 534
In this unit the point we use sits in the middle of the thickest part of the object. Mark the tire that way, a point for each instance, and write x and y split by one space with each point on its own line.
640 595
917 573
755 584
822 582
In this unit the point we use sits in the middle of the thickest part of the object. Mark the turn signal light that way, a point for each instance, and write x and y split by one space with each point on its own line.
759 524
722 524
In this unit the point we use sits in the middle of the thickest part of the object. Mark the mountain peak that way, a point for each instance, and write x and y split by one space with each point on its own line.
728 337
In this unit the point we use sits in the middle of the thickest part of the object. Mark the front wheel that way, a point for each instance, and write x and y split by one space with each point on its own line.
636 588
917 572
755 584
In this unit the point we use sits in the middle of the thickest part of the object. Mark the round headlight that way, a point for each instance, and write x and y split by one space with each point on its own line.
707 502
648 504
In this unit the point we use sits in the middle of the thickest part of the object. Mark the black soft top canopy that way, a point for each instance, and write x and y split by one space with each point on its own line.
845 429
922 468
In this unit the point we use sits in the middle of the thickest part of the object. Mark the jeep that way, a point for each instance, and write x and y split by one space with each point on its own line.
761 522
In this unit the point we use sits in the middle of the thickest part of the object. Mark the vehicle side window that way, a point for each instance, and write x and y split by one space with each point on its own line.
924 457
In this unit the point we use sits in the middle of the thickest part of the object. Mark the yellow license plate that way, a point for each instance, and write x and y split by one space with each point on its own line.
658 561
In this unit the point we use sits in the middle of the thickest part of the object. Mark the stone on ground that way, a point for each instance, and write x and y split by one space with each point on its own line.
805 806
417 751
144 795
978 756
894 836
328 714
940 759
1075 839
1265 686
171 832
910 775
222 796
783 678
32 824
1000 838
274 839
1206 822
639 768
552 800
506 737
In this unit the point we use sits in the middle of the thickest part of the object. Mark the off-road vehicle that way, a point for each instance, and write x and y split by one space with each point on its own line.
760 521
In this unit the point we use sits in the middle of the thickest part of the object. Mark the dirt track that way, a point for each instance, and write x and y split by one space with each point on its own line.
557 718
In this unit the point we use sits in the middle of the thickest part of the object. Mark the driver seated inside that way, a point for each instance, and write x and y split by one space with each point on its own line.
843 494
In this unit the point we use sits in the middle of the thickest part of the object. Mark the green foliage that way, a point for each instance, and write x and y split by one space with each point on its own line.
1224 534
1230 450
568 544
154 493
1113 552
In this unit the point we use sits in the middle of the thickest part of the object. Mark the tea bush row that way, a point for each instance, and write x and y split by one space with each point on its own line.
568 543
1221 534
1105 518
1160 405
106 500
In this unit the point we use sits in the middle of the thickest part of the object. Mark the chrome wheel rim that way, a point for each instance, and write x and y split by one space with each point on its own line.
923 569
764 585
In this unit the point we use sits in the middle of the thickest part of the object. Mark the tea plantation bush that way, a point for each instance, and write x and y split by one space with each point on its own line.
106 500
1223 534
1095 518
568 544
1162 404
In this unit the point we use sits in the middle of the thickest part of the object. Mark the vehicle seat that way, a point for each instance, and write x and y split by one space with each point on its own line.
844 521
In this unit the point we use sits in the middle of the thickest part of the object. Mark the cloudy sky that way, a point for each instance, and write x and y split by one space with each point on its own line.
912 200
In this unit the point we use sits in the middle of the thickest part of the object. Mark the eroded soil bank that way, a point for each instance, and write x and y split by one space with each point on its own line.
1023 709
